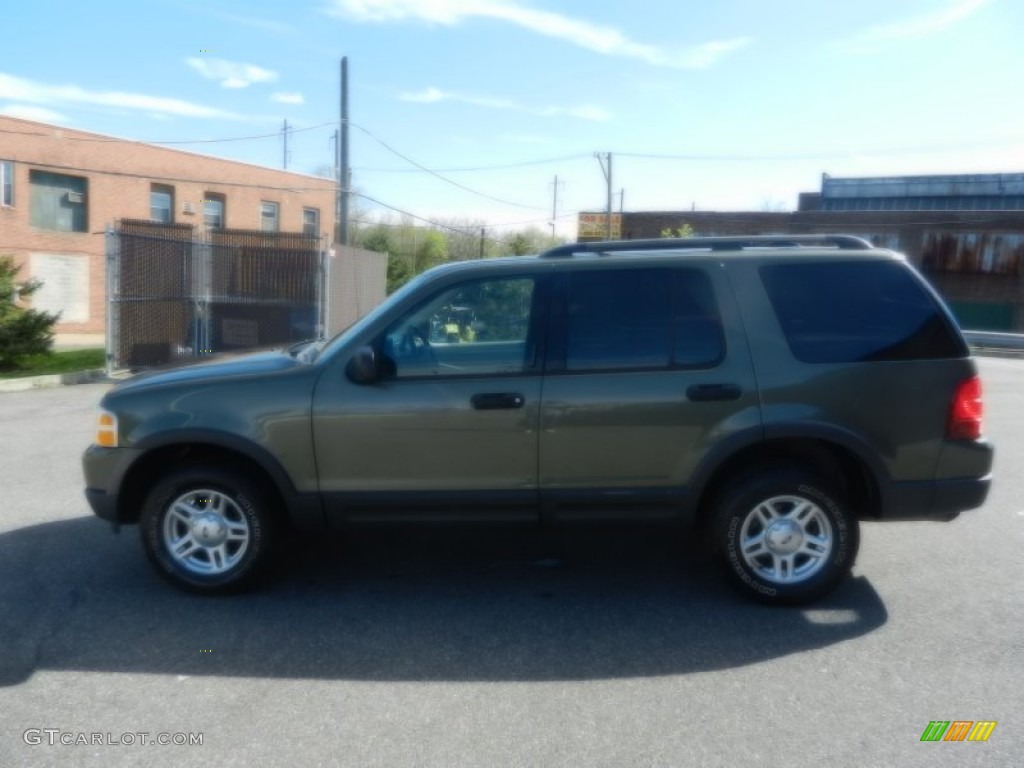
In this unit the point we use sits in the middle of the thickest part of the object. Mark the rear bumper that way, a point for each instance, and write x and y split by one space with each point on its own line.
936 499
948 495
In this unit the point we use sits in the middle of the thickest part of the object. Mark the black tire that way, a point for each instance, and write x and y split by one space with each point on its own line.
801 558
232 511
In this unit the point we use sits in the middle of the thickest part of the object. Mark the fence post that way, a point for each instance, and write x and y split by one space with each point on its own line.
113 330
201 254
323 274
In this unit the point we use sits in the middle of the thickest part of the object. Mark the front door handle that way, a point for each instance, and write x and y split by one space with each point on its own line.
703 392
492 401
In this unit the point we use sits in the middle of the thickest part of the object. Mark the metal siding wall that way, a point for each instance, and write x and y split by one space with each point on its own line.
356 283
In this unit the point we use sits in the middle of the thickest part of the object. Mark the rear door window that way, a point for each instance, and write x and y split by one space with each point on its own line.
633 319
858 311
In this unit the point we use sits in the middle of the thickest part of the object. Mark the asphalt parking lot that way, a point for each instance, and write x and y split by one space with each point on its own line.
500 648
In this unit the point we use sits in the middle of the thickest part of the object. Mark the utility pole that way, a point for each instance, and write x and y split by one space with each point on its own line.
336 170
483 232
554 204
285 131
343 173
605 159
622 199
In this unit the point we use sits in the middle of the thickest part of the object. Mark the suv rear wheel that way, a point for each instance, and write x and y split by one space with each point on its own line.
208 529
784 536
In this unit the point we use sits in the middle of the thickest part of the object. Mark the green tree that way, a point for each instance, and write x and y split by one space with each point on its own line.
683 230
519 244
431 251
23 331
529 241
399 272
377 239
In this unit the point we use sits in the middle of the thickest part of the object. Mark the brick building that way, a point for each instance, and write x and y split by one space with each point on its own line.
965 232
60 189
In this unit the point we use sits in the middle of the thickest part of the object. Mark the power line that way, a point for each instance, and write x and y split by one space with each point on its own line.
413 215
505 166
445 179
469 232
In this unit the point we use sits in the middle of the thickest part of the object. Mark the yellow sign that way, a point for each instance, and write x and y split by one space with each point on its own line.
596 225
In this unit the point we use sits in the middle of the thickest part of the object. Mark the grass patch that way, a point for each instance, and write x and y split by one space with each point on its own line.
67 361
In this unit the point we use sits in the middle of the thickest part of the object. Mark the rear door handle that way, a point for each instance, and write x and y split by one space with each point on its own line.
492 401
704 392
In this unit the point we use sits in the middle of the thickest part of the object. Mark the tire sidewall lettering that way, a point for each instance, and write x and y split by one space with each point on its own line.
739 567
841 551
239 492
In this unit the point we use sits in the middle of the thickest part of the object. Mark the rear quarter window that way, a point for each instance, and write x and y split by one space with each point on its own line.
833 312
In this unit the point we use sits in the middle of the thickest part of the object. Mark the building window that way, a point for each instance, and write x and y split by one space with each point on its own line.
6 182
161 203
310 222
268 217
57 201
213 210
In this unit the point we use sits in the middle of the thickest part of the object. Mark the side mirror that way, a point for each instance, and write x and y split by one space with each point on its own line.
362 368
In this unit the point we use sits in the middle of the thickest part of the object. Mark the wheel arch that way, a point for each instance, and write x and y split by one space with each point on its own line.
835 455
199 446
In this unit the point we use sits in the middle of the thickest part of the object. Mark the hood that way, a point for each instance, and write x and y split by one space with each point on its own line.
251 364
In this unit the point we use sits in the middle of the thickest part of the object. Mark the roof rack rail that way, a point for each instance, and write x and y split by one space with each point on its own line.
843 242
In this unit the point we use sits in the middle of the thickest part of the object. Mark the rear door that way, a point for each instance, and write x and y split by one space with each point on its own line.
648 370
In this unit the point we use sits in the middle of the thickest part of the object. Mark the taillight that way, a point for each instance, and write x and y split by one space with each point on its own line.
965 411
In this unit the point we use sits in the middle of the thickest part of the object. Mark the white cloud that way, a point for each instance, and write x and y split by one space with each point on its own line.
231 74
39 114
22 89
288 98
915 27
434 95
595 37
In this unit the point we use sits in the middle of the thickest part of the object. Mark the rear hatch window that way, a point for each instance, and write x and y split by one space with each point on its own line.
838 312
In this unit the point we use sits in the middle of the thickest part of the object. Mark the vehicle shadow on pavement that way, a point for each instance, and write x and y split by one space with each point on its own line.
434 604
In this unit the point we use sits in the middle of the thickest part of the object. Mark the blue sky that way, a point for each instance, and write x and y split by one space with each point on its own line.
752 100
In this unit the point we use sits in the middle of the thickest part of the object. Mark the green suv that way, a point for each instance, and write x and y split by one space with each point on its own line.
769 392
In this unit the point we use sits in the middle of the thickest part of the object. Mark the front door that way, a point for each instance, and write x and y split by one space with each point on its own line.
450 432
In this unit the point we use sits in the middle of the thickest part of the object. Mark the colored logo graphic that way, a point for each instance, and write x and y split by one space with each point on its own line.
958 730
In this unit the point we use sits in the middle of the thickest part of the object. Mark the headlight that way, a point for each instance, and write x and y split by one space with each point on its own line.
106 429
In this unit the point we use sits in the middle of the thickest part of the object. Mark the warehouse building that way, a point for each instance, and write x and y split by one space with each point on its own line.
965 232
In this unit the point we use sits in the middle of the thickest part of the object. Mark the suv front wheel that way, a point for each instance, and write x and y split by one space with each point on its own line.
784 536
207 529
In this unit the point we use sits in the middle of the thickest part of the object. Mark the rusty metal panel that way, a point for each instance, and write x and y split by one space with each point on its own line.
972 252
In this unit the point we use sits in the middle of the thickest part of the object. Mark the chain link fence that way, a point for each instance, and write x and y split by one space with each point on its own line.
174 294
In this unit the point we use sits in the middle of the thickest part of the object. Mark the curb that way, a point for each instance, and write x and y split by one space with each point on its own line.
53 380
